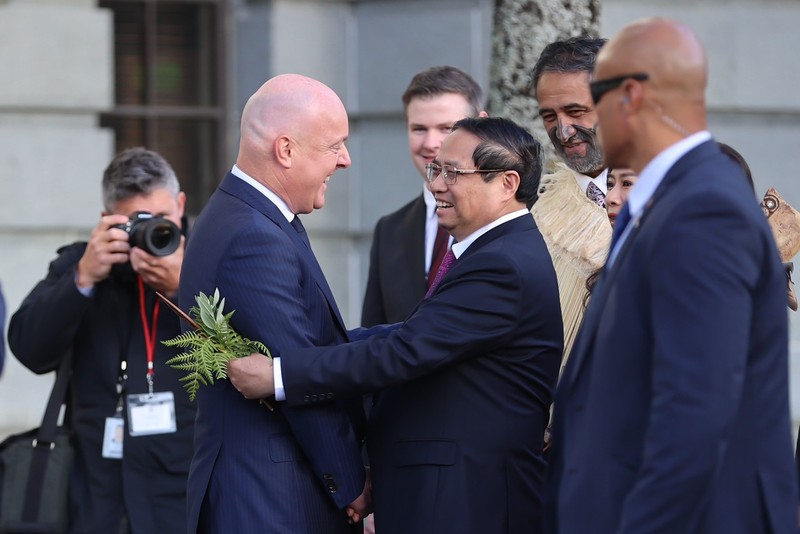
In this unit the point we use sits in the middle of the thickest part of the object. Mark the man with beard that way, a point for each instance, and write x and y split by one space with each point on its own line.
570 211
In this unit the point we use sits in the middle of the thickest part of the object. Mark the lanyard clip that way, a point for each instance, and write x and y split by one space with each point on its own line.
150 374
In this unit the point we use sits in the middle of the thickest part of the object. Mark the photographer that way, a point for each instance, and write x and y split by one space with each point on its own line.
98 304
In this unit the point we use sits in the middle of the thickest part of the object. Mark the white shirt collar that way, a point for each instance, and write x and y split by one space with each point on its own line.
264 190
601 180
461 246
653 173
430 202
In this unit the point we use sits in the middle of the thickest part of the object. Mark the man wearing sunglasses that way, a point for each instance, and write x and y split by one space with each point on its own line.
672 414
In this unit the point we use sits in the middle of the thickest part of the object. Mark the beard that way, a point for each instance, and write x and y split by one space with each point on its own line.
592 161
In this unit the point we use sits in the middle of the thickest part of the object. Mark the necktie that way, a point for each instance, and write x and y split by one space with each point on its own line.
301 230
596 195
622 221
439 250
447 262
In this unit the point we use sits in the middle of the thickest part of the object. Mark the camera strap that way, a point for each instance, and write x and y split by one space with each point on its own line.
150 332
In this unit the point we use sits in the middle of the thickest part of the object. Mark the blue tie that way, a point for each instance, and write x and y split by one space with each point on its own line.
622 221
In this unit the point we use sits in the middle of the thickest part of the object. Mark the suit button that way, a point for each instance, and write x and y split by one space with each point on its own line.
330 395
313 397
332 487
327 477
305 398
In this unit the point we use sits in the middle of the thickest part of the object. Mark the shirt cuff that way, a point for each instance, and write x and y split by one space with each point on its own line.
85 291
280 394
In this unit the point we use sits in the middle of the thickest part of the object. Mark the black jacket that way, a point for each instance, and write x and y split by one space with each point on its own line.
149 483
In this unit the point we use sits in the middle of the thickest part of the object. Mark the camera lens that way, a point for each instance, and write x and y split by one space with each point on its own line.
157 236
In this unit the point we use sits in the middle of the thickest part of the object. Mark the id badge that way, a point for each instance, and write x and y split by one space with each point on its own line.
151 413
113 435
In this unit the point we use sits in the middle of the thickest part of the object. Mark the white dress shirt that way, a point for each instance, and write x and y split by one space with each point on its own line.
601 181
264 190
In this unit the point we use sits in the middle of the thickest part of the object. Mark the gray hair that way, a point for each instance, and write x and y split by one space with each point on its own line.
577 54
137 171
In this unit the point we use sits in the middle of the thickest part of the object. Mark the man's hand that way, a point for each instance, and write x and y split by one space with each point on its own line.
252 376
107 246
361 507
162 273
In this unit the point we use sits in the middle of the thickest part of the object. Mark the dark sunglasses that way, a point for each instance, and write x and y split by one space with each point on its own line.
600 87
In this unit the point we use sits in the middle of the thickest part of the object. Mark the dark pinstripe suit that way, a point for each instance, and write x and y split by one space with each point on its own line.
288 471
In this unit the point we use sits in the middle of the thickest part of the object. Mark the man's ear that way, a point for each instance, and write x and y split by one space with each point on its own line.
181 199
483 114
284 149
511 181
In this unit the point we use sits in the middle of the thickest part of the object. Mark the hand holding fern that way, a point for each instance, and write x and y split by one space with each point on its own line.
252 376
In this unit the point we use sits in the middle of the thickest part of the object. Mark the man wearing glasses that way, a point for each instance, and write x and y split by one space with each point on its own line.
672 414
455 435
408 245
570 212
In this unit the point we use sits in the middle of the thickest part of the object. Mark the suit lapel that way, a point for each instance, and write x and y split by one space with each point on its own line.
594 313
253 198
415 244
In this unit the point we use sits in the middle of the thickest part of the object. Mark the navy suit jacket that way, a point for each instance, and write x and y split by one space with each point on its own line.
291 470
397 280
455 442
672 414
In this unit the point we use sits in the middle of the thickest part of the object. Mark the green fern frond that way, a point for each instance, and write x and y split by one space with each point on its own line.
186 339
211 347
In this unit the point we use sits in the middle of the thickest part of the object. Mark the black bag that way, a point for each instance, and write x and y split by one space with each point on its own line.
35 467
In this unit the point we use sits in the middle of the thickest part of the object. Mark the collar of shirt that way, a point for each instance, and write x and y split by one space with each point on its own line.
601 181
264 190
653 173
430 202
461 246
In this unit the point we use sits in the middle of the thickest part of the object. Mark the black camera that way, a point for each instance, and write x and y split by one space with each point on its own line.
155 235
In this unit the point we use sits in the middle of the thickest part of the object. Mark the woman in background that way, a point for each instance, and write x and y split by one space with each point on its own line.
620 182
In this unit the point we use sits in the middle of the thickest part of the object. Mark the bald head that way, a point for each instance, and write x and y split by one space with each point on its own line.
667 51
285 104
292 139
653 113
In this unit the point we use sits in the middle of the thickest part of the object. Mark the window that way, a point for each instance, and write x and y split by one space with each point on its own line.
169 92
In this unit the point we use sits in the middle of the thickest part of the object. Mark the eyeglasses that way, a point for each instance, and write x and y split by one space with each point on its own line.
600 87
450 173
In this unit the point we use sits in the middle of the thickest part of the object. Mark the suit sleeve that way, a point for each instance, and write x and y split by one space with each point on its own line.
705 267
373 312
55 307
474 310
278 302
